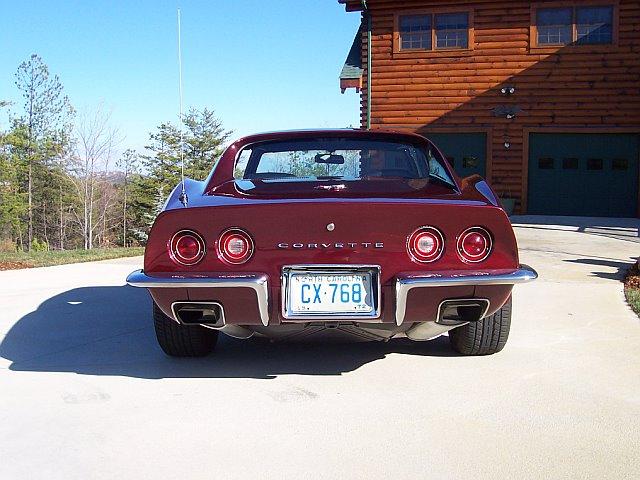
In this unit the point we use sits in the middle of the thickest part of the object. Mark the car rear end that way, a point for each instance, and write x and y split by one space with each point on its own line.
383 256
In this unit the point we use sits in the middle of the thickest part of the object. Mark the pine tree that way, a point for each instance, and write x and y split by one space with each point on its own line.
203 137
46 121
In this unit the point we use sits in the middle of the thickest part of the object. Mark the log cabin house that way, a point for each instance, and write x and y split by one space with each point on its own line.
542 98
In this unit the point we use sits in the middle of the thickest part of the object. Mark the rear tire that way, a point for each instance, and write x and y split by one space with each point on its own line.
484 337
178 340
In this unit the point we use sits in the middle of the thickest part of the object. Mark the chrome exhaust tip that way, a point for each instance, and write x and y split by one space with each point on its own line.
199 313
457 312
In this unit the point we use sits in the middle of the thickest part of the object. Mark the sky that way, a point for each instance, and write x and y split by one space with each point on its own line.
261 65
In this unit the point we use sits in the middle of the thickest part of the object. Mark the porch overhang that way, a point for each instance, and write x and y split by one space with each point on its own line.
352 71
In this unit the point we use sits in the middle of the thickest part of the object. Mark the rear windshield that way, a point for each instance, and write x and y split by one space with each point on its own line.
336 158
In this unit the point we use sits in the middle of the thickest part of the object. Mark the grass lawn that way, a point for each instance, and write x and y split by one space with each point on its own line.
632 288
14 260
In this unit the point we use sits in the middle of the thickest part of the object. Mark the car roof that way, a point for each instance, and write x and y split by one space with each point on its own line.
354 133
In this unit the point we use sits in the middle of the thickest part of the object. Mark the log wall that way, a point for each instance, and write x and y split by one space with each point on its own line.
565 88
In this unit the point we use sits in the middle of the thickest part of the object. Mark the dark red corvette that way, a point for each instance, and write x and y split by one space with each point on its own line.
367 232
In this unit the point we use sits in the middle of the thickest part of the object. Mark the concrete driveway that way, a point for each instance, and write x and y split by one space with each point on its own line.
86 393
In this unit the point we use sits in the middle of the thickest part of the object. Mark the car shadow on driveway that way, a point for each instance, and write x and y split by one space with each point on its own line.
109 331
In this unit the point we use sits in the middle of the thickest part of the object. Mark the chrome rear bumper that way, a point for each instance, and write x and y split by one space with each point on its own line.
404 283
409 281
255 281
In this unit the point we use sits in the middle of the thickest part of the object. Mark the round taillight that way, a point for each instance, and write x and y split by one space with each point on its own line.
235 246
425 245
474 244
186 247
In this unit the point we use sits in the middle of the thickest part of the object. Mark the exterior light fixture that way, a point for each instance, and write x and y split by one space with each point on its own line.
507 111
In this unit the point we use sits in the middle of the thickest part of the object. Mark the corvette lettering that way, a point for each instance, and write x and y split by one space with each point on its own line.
326 246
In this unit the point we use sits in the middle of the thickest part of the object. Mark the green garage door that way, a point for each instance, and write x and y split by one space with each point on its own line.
467 152
583 174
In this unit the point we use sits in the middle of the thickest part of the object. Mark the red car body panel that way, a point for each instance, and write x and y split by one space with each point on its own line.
288 227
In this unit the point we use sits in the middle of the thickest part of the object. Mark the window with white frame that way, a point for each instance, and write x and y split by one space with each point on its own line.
434 31
579 25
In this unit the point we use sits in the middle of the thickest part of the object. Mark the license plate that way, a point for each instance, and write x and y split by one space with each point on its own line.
331 293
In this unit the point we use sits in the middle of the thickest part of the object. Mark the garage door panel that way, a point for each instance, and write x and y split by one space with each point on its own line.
466 152
583 174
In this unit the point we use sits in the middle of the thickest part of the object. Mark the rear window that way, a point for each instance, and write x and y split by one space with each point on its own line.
335 158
